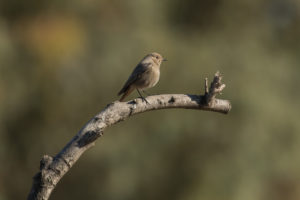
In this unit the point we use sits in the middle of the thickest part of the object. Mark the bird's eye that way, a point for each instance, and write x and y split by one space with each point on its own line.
156 57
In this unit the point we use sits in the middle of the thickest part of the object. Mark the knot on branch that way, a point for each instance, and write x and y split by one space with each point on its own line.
216 87
45 162
89 137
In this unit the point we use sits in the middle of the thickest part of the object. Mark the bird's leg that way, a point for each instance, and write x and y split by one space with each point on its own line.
142 96
148 94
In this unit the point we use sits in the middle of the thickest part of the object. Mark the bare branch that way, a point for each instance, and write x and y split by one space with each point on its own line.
53 169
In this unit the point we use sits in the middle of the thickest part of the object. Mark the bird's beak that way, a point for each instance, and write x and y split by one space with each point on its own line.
164 59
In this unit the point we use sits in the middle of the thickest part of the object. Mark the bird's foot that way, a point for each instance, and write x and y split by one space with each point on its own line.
143 99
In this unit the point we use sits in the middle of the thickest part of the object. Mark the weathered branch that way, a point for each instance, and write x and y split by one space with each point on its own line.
53 169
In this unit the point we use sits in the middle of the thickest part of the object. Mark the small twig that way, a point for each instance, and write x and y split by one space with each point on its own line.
216 88
206 86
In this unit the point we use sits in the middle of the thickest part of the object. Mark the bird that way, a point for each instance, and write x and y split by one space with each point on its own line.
145 75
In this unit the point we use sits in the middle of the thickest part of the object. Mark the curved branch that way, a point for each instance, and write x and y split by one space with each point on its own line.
53 169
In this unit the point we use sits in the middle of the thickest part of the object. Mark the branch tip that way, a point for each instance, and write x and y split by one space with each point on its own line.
206 86
218 74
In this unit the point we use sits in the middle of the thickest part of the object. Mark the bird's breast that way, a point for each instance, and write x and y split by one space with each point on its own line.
155 77
148 79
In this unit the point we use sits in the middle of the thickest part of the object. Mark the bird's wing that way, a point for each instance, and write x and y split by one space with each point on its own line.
137 72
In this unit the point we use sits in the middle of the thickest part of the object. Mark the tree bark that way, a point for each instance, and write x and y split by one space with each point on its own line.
52 169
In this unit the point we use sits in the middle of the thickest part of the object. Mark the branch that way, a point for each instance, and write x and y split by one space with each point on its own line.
53 169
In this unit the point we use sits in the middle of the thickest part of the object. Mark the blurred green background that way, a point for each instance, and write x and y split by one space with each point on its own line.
62 61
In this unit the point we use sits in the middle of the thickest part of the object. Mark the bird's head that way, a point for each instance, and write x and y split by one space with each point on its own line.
155 58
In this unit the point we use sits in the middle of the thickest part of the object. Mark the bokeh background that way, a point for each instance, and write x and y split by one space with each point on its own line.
62 61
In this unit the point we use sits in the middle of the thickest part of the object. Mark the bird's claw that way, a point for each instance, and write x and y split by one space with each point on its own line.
143 99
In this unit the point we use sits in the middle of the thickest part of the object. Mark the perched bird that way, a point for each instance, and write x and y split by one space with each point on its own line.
145 75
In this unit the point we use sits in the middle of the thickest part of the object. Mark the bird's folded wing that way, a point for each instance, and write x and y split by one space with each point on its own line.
137 73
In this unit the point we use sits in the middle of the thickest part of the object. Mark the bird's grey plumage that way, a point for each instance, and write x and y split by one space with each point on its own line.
145 75
137 73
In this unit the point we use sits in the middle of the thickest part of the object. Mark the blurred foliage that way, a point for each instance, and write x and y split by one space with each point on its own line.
61 62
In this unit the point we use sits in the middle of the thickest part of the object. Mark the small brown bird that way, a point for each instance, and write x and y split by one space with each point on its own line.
144 76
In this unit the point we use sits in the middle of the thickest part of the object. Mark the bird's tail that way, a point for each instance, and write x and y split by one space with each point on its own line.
125 92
